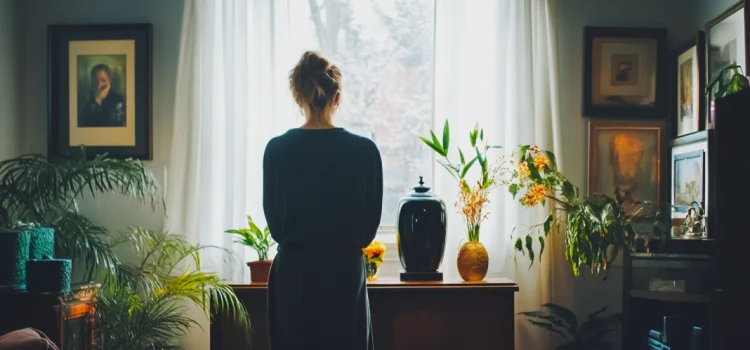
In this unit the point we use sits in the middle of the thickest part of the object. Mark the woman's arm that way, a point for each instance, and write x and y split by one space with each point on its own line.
270 193
374 197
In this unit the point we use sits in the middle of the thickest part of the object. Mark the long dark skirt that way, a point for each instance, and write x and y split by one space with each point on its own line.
317 299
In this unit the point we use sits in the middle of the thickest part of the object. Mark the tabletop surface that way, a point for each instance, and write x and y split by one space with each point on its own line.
395 283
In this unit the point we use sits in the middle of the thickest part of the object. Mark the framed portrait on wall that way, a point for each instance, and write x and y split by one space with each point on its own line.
100 90
727 37
625 157
624 72
691 81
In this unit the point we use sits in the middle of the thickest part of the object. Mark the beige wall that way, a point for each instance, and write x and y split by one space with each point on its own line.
10 117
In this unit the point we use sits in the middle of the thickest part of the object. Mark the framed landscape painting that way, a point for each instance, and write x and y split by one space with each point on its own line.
624 72
100 90
691 81
626 157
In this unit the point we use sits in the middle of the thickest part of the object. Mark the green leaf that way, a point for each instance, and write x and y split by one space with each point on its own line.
434 147
568 316
467 167
495 147
437 143
461 156
446 137
524 149
552 159
530 248
548 326
534 172
473 136
568 190
519 245
481 135
547 225
513 189
541 250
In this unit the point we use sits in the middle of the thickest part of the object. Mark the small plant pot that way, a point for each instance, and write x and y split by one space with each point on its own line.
259 271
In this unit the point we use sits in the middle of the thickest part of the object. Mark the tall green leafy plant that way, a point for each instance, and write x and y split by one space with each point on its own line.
472 196
588 335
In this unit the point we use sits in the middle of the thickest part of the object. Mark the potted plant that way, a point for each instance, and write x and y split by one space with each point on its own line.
140 305
260 241
589 335
473 259
727 81
596 228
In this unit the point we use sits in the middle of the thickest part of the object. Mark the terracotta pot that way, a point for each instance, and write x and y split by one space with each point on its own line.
259 271
473 261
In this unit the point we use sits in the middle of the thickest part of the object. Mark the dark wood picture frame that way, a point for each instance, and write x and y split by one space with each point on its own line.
697 42
593 178
622 109
740 6
128 112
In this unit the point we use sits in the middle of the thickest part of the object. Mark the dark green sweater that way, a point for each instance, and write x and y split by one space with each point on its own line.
322 187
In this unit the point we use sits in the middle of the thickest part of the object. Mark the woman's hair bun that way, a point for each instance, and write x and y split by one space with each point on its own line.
314 82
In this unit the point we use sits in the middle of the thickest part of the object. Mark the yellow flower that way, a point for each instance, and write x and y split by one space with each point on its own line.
540 161
376 250
534 195
523 170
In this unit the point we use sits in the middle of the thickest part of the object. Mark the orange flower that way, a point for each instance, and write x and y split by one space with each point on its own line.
540 161
523 170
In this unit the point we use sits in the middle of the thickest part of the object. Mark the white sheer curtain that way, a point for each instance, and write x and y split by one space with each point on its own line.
230 86
496 65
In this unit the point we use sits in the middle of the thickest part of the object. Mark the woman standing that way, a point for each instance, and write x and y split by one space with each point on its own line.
323 192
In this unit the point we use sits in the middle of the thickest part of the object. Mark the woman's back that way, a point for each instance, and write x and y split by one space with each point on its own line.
322 196
326 188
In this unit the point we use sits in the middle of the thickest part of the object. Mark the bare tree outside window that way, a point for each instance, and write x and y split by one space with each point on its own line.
385 49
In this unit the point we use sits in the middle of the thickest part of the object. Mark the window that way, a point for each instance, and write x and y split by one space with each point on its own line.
385 51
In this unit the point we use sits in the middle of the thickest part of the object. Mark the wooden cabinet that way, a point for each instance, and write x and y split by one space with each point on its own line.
65 318
405 316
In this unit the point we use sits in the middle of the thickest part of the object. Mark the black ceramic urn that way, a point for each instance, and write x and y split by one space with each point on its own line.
420 233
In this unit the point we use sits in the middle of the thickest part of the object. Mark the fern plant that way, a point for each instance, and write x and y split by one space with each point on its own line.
145 308
588 335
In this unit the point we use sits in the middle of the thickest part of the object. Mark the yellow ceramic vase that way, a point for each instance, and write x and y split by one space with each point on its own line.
473 261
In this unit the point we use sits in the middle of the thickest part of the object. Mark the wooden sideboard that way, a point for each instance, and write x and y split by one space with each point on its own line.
66 318
405 316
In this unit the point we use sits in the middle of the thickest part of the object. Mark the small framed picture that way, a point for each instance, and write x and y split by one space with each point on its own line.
100 89
690 173
727 36
691 82
626 157
624 72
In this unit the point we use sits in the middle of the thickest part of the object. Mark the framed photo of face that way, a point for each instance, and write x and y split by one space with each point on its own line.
625 157
624 72
100 90
728 36
691 81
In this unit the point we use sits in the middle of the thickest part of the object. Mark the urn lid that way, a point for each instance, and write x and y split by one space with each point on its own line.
421 190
